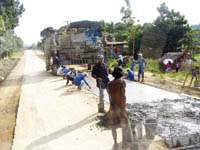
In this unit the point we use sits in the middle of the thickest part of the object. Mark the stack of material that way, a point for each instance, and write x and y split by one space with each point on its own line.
81 39
64 41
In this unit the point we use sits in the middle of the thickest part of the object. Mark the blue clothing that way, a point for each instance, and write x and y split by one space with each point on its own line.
142 62
141 71
120 62
65 70
79 78
132 65
130 75
57 61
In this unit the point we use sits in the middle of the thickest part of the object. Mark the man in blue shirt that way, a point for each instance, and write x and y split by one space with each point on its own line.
80 79
130 75
65 71
142 63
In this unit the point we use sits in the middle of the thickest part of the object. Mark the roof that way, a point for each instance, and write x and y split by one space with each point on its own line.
116 43
85 24
172 55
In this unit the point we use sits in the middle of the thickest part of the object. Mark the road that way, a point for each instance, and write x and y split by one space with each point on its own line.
138 93
52 116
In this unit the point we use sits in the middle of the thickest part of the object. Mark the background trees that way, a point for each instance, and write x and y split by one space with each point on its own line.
10 11
170 32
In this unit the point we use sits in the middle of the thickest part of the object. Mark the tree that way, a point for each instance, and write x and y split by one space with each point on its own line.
2 26
11 10
173 25
191 41
128 20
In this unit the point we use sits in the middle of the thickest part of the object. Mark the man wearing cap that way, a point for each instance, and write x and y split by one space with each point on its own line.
100 72
142 63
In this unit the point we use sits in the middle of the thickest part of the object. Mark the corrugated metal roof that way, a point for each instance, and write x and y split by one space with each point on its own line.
172 55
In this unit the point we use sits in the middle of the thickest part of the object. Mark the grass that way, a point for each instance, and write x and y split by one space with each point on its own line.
197 57
153 67
17 54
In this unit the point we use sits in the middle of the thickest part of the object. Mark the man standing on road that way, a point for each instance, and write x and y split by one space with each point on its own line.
142 63
118 114
100 72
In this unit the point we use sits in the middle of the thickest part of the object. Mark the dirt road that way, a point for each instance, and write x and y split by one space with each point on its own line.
9 99
52 116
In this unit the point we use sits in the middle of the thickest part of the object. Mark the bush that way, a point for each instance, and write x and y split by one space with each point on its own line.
153 66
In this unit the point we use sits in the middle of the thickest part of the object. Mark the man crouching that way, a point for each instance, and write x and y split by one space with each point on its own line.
118 114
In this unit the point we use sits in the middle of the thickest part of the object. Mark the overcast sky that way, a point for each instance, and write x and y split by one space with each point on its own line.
40 14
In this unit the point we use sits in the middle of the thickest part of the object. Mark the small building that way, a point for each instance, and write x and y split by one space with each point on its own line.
112 45
175 56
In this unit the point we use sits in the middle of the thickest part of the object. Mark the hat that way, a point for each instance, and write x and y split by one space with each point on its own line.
140 54
85 74
100 56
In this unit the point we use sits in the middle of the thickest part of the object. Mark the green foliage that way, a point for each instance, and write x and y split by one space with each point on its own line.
2 25
9 43
112 62
197 57
11 10
173 26
152 66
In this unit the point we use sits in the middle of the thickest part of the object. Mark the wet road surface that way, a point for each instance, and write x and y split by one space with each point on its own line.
138 92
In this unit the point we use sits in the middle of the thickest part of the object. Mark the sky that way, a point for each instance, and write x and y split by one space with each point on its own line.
40 14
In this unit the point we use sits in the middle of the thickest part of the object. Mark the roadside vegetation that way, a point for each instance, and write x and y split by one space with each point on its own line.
10 13
157 71
170 32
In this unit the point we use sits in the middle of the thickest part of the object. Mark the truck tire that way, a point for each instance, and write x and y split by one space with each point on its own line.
54 70
47 67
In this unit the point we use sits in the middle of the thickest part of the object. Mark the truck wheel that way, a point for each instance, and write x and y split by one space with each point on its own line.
89 66
54 70
47 67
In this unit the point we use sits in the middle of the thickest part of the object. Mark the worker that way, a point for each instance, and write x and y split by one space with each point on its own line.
65 71
100 72
80 80
120 60
71 76
118 115
130 75
142 63
132 64
195 74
